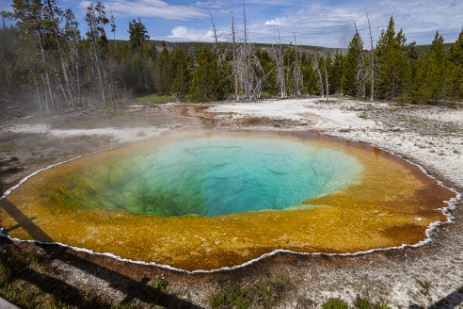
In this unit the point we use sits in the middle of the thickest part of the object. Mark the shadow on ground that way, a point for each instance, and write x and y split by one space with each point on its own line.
65 293
452 300
143 290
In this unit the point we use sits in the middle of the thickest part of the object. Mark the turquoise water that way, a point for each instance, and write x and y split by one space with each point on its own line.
215 175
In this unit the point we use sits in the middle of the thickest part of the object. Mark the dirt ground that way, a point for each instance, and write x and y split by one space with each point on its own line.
427 277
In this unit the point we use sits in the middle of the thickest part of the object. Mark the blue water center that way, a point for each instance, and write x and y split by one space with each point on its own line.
217 175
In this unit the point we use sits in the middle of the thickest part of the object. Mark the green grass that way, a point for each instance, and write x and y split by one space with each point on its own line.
262 295
29 281
10 170
154 99
159 286
359 303
232 297
14 267
335 303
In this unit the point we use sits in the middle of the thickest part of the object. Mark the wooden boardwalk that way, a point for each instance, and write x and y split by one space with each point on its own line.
7 305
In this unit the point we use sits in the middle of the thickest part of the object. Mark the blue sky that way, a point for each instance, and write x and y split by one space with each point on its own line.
328 23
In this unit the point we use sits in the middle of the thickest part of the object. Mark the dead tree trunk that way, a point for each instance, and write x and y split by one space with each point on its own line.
280 68
79 94
361 72
320 78
248 75
220 53
362 78
4 15
67 93
235 67
372 62
297 69
327 82
46 76
96 67
214 29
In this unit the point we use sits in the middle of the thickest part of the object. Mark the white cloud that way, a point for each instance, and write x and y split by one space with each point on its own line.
333 26
84 4
279 21
212 4
182 33
314 22
151 8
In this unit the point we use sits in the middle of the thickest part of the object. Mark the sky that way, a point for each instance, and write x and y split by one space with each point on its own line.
328 23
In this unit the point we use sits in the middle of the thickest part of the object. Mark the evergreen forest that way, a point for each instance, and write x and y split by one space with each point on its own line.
48 65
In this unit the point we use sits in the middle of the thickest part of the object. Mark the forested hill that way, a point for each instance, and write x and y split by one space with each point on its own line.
48 65
187 46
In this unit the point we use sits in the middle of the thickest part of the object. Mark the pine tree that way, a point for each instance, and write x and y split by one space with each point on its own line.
163 74
310 74
19 85
335 72
268 78
30 16
392 67
432 73
416 63
138 35
181 82
208 83
352 76
456 69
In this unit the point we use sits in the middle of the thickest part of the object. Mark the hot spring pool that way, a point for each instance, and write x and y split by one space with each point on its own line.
211 176
206 200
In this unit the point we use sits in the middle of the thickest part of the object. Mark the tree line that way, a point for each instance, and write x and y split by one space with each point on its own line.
46 63
398 70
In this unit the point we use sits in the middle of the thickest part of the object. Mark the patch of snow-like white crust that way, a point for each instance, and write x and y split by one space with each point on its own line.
122 135
434 141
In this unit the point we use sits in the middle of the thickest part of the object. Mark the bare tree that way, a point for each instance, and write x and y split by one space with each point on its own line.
235 71
247 75
220 52
72 35
214 29
280 67
51 8
96 19
246 66
327 82
5 15
372 61
298 77
320 78
50 98
112 23
361 72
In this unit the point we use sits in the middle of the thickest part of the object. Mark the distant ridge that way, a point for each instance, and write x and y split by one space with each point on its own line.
309 49
186 46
